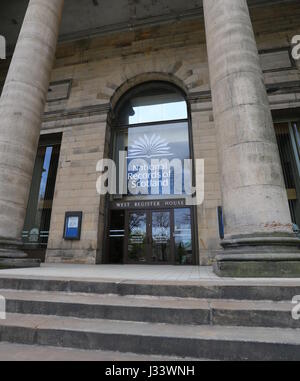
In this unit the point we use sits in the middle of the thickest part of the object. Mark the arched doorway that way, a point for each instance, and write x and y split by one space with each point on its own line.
149 222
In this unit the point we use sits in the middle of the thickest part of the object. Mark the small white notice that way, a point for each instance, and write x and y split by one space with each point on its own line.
73 223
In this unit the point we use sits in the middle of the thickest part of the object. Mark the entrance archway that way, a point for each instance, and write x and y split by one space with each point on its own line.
150 223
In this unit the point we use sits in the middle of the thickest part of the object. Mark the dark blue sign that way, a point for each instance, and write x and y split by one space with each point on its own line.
72 229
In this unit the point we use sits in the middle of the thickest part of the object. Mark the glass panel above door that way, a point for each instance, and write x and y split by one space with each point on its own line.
155 162
152 102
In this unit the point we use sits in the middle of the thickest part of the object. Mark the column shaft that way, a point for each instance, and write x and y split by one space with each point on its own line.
256 212
21 109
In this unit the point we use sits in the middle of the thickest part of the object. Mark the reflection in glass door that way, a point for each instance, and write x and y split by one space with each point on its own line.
288 139
183 236
137 237
157 237
39 207
161 237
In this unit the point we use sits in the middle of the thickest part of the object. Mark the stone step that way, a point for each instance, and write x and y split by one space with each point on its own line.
213 342
18 263
182 311
23 352
215 289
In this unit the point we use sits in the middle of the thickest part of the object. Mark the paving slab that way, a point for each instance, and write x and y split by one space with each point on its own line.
139 274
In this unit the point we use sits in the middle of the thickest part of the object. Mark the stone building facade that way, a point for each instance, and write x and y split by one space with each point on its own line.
230 93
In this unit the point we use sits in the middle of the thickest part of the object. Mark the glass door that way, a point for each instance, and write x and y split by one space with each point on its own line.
137 237
159 237
161 244
183 236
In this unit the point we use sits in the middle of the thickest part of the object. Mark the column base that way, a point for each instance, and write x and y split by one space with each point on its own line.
12 256
262 256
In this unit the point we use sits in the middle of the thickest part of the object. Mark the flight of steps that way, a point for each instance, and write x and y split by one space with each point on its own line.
207 320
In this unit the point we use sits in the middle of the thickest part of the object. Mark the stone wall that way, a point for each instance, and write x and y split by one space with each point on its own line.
103 68
101 71
82 146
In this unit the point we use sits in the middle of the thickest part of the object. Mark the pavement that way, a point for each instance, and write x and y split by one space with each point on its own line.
139 273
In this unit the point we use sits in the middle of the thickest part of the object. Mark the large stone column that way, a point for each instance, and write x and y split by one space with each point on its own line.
21 109
259 239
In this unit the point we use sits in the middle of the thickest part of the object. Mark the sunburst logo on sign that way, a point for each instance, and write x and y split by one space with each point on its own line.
149 147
